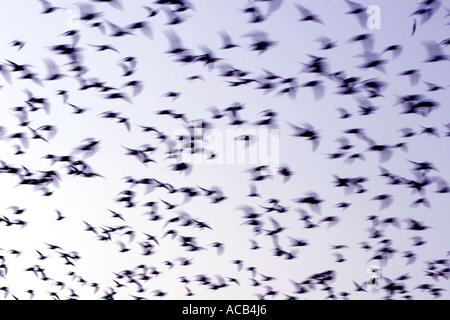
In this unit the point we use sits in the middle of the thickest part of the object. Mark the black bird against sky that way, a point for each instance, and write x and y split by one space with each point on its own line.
103 154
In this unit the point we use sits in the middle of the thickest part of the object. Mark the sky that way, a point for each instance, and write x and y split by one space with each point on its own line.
90 200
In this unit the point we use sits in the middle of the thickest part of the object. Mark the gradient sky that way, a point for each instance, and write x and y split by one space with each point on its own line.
89 199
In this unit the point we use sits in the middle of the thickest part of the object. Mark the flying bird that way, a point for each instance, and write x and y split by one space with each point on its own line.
261 41
307 15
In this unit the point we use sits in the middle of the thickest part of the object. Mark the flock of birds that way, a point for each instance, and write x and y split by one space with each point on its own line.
163 202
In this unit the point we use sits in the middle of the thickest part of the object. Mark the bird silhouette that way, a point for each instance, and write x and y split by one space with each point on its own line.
359 11
261 41
307 14
113 209
435 52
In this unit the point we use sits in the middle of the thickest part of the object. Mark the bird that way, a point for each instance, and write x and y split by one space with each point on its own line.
344 114
47 7
137 87
176 46
104 47
307 14
313 200
308 132
59 216
254 245
123 248
143 26
317 86
286 172
150 11
413 74
326 43
331 220
418 241
395 49
416 225
173 17
339 258
435 52
385 200
255 14
88 12
17 43
366 40
391 221
219 246
333 107
117 31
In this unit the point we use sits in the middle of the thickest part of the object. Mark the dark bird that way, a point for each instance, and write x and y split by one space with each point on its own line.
373 60
137 86
410 256
416 225
104 47
286 172
87 12
219 246
312 200
339 257
391 221
396 50
175 43
208 58
253 192
5 72
425 12
117 31
261 41
344 114
17 43
17 210
435 52
277 229
118 95
359 11
173 17
366 40
308 132
385 151
150 11
47 7
59 216
74 34
413 74
113 3
432 87
317 86
143 26
307 14
123 248
418 241
41 256
385 199
227 41
326 43
254 245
